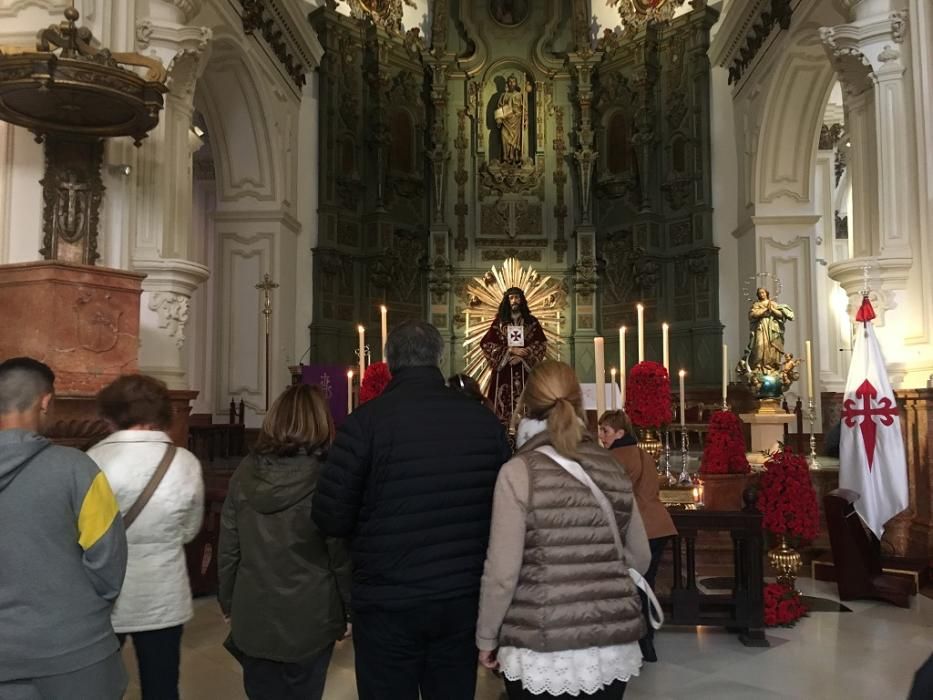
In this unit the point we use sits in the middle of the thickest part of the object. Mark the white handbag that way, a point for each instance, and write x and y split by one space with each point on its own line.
655 614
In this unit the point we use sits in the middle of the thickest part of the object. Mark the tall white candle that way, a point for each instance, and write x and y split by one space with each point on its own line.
809 370
362 332
725 373
683 399
666 347
612 388
622 369
641 332
385 329
599 349
349 392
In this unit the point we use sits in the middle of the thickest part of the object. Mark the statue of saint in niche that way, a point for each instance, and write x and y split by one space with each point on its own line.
509 12
512 119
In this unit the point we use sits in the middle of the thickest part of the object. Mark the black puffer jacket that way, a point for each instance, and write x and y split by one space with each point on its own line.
410 481
283 584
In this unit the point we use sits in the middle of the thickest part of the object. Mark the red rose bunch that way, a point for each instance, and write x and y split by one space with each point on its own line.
648 395
786 497
724 452
783 605
375 380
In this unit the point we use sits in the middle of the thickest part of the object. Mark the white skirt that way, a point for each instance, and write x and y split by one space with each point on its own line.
575 672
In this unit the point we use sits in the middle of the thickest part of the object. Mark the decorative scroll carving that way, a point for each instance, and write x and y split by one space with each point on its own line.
503 178
172 310
495 220
439 153
399 270
386 14
585 155
256 16
560 182
461 177
778 14
627 270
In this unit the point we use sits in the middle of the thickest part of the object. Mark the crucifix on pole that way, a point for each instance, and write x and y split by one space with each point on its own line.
266 286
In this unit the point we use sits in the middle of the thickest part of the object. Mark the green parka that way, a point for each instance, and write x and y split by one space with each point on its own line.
283 584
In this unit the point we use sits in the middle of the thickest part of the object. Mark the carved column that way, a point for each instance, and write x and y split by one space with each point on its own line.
871 59
163 208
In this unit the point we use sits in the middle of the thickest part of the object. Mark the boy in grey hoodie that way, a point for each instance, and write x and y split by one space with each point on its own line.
62 554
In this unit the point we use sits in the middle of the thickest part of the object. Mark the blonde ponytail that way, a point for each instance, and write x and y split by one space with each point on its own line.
553 393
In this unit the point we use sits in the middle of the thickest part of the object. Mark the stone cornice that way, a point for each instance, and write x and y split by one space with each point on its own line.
166 275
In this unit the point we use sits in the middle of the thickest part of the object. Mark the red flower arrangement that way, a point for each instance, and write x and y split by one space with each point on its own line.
724 452
783 605
648 395
786 497
375 380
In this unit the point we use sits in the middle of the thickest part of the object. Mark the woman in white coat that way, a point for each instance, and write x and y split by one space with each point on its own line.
156 598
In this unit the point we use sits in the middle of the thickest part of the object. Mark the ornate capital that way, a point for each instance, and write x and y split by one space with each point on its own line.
172 309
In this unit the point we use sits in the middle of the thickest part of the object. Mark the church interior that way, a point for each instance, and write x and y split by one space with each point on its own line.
246 194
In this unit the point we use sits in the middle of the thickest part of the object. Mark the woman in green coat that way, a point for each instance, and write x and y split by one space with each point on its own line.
283 586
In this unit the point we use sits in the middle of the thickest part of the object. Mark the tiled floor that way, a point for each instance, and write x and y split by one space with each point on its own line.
870 653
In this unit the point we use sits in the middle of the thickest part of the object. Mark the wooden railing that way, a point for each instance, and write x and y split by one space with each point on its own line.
740 611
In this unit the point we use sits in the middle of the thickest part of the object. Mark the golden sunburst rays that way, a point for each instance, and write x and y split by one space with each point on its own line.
545 300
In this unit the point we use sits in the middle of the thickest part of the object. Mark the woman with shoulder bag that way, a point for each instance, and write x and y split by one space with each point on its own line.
615 432
559 609
161 494
283 585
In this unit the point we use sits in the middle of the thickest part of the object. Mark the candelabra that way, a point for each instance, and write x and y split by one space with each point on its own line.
811 414
667 457
684 478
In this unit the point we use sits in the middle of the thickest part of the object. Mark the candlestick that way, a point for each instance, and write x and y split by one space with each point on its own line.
349 392
725 377
622 366
612 388
684 477
665 347
641 332
385 329
683 401
814 462
362 332
599 350
666 461
809 369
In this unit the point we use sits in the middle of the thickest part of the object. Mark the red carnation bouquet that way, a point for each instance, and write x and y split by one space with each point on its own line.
375 380
786 497
724 452
783 605
648 395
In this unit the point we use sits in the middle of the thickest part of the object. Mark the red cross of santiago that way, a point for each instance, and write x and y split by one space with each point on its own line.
868 426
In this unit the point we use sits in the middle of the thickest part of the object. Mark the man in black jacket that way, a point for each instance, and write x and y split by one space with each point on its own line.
409 481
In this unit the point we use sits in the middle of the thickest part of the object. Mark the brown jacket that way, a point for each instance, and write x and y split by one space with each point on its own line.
563 587
641 470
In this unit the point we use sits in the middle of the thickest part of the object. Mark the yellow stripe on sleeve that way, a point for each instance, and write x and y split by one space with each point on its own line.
97 512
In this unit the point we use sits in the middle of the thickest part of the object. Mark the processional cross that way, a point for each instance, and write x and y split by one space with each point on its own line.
266 286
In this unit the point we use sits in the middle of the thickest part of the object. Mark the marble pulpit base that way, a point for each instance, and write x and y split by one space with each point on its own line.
767 430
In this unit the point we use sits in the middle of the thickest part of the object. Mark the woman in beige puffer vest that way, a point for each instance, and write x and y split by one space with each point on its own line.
559 613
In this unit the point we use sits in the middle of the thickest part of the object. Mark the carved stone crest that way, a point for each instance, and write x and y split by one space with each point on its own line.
97 323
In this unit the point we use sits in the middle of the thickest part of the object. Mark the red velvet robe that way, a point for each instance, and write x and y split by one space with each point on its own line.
508 380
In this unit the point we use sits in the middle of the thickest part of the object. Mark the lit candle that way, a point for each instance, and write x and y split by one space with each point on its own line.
725 373
641 332
600 377
696 494
809 370
666 347
385 329
362 332
612 388
622 371
349 392
683 400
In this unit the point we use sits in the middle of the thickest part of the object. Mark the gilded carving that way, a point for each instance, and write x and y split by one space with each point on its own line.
461 208
560 182
399 269
495 220
501 178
